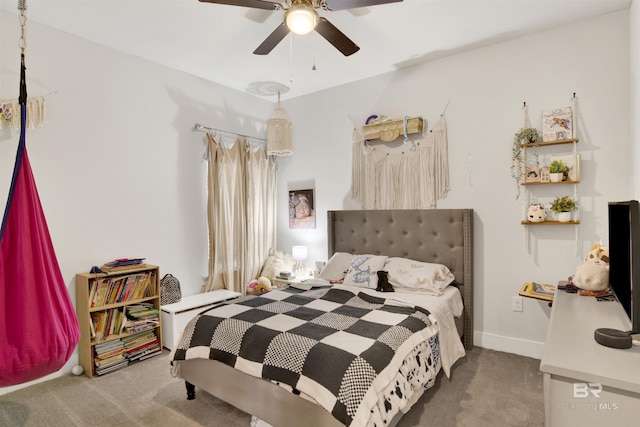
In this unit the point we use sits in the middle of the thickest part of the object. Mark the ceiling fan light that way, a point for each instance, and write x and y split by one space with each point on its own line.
301 19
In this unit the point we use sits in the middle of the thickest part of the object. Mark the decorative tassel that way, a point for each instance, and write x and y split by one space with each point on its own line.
10 113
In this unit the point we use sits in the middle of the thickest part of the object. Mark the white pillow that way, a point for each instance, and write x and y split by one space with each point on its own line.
364 270
409 275
337 267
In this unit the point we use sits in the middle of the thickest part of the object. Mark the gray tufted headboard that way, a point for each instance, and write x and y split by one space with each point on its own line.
443 236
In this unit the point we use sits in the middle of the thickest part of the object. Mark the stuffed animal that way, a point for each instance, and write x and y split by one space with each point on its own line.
536 213
275 263
593 275
259 285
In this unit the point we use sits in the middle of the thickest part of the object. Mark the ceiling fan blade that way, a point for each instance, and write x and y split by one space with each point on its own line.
334 36
255 4
352 4
272 41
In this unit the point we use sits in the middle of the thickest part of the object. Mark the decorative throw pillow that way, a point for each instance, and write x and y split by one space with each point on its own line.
424 277
337 267
364 270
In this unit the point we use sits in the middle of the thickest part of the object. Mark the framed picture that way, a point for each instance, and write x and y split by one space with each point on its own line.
301 209
557 124
532 174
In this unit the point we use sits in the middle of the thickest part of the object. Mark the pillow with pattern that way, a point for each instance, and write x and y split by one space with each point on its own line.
363 271
415 276
336 268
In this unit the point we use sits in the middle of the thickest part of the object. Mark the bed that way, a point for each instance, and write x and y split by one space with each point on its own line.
442 236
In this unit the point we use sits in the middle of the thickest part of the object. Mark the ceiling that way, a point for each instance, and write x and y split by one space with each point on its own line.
215 42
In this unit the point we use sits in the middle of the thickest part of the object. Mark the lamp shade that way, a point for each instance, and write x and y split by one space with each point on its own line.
299 253
279 133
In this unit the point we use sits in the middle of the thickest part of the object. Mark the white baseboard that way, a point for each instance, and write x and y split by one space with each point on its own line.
518 346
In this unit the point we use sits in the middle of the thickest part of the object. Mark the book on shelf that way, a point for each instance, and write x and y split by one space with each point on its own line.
104 362
145 313
150 354
141 344
133 326
111 290
106 354
106 323
92 328
122 264
141 350
557 124
108 346
538 291
110 368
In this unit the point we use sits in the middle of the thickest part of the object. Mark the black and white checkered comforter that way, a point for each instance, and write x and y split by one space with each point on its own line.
340 347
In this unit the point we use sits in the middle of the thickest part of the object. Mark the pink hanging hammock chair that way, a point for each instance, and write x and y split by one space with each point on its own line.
38 325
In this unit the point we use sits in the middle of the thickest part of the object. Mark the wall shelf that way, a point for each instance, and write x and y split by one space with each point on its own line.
550 223
537 175
550 183
544 143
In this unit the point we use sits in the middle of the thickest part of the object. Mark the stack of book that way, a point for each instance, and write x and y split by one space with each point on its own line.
141 346
122 264
109 357
141 317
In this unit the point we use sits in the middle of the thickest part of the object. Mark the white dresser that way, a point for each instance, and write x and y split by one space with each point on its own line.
176 316
585 383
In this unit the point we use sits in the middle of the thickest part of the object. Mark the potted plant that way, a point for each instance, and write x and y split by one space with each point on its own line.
526 136
557 170
562 206
523 136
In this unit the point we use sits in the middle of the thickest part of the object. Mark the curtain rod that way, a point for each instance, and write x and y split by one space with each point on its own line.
198 127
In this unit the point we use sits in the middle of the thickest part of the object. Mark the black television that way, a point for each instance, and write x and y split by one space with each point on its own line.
624 257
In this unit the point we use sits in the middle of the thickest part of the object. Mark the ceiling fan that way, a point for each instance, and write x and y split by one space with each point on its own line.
300 17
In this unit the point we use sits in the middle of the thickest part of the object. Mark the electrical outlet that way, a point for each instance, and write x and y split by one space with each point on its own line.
516 303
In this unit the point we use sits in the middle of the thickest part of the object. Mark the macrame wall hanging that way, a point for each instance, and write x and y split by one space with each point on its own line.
405 175
10 113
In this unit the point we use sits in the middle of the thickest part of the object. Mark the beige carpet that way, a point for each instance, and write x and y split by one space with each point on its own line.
487 388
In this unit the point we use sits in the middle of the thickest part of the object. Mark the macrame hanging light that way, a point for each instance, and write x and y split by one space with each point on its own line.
279 133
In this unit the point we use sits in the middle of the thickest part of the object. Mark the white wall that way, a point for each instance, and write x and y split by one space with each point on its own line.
486 88
119 170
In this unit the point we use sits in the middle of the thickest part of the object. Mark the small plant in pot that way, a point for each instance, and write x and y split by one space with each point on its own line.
562 206
526 136
557 170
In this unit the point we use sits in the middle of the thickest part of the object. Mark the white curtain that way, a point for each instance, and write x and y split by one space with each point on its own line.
241 212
